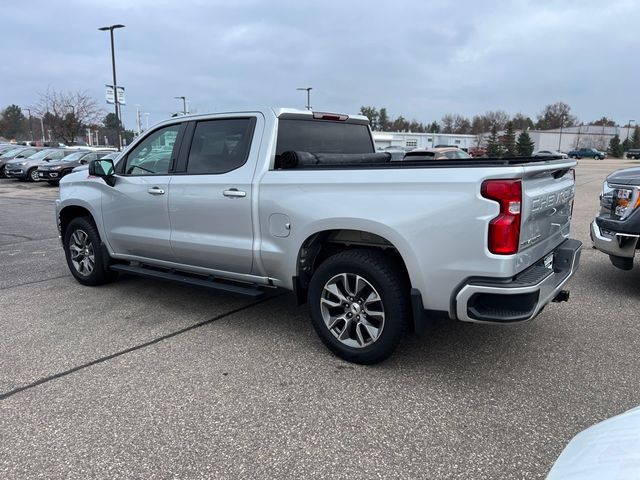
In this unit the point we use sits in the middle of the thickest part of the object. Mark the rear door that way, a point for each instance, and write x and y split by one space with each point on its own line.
135 210
211 194
548 191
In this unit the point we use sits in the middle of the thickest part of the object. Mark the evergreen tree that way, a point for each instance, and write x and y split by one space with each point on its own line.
615 147
635 142
434 127
494 147
372 114
524 145
383 120
509 141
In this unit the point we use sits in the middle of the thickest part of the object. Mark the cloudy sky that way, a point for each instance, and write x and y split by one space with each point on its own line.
420 58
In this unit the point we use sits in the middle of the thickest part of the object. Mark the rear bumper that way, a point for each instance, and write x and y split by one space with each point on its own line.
520 298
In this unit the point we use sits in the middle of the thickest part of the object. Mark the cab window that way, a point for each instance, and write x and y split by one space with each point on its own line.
152 156
220 146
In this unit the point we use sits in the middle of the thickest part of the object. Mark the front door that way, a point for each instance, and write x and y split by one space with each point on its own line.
210 199
135 211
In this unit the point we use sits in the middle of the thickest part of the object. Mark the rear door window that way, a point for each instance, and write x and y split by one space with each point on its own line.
220 146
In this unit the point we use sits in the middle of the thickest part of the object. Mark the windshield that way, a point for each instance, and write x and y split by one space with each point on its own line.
41 154
74 156
10 153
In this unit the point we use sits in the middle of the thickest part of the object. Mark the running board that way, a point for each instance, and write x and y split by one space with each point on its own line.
186 279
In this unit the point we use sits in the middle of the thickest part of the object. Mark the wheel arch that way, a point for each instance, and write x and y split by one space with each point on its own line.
69 212
322 243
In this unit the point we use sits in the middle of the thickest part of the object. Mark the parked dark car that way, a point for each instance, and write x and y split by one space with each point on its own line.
18 152
27 168
52 172
111 156
587 153
633 153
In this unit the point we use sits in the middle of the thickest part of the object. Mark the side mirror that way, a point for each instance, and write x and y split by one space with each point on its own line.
103 169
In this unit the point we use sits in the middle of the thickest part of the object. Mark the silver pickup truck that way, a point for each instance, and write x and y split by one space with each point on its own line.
249 201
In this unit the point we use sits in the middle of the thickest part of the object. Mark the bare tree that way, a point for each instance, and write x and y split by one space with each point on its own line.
556 115
68 113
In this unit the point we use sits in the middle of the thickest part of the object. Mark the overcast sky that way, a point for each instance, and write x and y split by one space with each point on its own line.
421 59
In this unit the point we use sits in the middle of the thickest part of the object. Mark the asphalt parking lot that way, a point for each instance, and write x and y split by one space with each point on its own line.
144 379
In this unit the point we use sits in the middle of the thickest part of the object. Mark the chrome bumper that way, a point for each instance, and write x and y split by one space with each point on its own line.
617 244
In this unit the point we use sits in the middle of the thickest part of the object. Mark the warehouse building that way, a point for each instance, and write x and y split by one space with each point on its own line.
582 136
422 140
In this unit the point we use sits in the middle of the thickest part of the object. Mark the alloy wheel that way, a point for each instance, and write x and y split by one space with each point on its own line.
352 310
82 253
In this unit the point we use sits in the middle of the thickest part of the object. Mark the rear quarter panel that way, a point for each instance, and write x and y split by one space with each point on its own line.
436 218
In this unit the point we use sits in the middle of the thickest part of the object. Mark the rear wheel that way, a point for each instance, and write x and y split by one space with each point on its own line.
85 257
359 305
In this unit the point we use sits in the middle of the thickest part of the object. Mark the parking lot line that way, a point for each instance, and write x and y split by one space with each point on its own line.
49 378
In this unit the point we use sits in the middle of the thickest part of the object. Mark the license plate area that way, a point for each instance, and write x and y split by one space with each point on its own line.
548 261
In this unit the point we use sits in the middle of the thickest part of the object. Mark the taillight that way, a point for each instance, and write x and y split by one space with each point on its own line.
504 230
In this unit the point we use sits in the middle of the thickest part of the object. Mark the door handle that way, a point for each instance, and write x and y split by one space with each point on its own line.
155 191
234 193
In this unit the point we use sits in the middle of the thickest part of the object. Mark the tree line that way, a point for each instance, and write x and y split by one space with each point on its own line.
555 115
61 117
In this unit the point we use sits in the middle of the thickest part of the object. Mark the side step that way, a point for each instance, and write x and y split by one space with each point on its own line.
187 279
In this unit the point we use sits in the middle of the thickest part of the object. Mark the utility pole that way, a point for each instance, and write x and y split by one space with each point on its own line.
629 128
184 104
42 126
30 126
111 28
138 119
308 89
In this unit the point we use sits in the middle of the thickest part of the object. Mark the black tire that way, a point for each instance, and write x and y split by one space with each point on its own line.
390 283
32 175
2 175
99 273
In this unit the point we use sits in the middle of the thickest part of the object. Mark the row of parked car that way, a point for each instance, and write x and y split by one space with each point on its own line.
48 164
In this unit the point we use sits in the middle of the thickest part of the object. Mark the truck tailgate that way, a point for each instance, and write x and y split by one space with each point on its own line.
547 203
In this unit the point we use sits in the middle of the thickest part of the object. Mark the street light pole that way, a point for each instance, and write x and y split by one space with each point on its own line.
184 104
308 89
30 125
111 28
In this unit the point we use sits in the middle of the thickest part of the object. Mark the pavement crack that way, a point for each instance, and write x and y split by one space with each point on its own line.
140 346
34 282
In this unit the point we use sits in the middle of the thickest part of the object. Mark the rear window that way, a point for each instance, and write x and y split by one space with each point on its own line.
317 136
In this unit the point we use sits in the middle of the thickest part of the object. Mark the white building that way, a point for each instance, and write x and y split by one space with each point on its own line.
422 140
583 136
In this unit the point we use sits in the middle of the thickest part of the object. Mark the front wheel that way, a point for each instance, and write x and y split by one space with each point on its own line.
359 305
85 257
32 175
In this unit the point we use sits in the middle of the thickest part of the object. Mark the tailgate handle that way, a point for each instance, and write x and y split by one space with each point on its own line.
560 173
